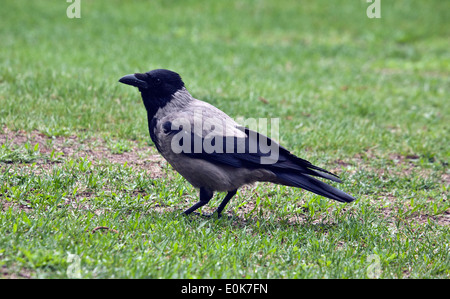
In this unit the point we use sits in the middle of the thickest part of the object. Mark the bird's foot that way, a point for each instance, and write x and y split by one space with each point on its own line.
208 216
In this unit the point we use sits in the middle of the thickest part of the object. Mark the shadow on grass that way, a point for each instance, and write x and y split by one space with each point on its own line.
254 222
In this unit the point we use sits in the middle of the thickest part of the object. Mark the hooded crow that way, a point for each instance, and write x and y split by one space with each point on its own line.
214 153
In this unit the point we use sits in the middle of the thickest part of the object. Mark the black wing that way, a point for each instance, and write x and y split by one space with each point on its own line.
254 151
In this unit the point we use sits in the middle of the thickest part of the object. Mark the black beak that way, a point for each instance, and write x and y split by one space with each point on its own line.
133 81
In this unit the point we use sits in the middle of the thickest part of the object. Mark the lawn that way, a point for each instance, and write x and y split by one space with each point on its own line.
84 193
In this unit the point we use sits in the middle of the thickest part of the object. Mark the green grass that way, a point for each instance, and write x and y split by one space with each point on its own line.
367 98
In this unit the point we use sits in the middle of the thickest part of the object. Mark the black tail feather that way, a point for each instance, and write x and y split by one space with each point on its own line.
314 185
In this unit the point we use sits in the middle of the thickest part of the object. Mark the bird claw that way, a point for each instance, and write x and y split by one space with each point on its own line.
208 216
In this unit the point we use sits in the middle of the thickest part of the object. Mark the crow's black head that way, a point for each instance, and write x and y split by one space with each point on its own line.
156 87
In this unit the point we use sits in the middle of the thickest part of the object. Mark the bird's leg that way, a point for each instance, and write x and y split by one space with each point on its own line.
205 197
224 202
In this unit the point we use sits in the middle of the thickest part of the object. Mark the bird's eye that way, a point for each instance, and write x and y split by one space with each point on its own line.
157 81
